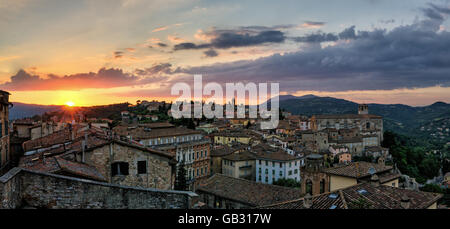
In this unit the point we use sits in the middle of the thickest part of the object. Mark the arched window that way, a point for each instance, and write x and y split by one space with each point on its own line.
309 186
322 186
368 125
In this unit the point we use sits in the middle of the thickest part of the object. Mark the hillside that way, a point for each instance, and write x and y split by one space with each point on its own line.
23 110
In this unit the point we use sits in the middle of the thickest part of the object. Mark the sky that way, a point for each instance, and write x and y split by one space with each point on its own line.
95 52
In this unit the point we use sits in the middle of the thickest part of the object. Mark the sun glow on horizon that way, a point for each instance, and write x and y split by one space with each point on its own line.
70 103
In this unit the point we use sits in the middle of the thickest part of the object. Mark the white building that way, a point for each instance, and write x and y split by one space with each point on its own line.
272 166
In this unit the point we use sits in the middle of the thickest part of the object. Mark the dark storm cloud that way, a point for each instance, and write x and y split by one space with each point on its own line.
160 44
189 45
210 53
317 38
348 33
246 36
416 55
118 54
162 68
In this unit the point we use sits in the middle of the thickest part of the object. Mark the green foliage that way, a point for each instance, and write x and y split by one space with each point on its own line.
287 183
411 157
367 158
432 188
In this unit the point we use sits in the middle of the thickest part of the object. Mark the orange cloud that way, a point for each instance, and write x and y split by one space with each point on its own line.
160 29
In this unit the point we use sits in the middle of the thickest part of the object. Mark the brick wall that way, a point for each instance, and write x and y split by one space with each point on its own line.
25 188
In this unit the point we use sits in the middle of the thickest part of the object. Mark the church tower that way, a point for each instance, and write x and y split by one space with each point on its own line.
363 109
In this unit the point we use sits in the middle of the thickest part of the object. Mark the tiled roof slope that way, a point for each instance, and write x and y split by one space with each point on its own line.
356 169
373 197
247 192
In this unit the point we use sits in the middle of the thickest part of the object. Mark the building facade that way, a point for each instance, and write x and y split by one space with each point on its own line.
272 166
5 153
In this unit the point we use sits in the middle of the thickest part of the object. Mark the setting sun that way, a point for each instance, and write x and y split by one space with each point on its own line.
70 104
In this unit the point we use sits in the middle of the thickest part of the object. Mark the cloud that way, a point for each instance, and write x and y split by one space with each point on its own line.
210 53
312 24
175 39
317 37
160 29
242 37
160 44
411 56
118 54
157 69
104 78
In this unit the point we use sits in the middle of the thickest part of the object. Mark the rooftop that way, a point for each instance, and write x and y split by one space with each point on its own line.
247 192
357 169
241 156
349 116
363 195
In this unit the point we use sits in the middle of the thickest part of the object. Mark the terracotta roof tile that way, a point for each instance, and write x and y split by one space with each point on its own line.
248 192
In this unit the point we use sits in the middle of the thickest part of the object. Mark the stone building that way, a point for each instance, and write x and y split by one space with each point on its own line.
314 181
132 165
24 188
187 146
367 124
119 161
5 153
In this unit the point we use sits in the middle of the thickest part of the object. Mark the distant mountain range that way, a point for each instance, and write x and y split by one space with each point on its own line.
23 110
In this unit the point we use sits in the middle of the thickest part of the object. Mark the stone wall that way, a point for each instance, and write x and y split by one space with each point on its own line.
21 188
159 171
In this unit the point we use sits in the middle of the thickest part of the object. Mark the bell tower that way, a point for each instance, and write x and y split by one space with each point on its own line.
363 109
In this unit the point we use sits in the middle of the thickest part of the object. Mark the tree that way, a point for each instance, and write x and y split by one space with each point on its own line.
180 180
287 183
191 124
432 188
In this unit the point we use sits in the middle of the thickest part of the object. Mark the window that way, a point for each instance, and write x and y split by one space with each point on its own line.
267 163
119 168
142 167
309 187
322 186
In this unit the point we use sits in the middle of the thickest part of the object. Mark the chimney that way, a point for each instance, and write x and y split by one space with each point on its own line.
307 201
405 202
374 180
